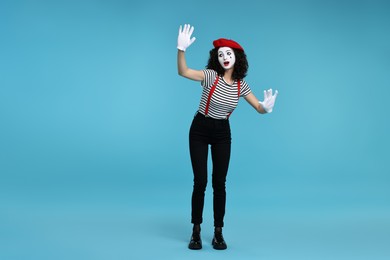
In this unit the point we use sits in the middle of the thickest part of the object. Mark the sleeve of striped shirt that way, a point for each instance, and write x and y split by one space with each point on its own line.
209 77
245 89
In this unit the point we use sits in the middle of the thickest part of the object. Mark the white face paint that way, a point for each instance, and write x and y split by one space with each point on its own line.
226 57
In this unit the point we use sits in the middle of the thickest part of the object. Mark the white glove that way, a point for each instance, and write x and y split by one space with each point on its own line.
269 100
184 39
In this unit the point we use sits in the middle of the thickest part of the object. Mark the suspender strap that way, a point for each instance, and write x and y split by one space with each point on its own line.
210 94
238 91
212 91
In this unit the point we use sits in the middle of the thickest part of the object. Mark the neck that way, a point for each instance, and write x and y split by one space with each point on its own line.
228 75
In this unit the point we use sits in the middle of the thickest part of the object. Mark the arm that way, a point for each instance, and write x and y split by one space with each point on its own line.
186 72
184 40
254 102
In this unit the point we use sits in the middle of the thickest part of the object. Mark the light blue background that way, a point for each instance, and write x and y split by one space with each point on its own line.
94 124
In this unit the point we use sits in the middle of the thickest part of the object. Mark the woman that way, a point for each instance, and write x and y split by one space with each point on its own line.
223 83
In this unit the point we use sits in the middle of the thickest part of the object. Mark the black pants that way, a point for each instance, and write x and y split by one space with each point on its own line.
206 131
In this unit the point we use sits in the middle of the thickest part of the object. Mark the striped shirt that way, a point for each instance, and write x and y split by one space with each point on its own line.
225 97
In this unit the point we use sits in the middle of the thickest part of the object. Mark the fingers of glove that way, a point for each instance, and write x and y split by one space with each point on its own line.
269 100
276 94
270 93
191 30
188 28
191 41
266 94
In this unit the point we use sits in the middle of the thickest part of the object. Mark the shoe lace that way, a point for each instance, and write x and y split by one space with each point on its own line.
219 237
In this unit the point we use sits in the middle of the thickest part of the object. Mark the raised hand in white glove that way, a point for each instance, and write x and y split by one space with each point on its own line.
269 100
184 39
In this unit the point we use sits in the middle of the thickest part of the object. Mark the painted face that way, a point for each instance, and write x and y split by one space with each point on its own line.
226 57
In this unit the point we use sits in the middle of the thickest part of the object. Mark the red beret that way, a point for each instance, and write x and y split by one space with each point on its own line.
221 42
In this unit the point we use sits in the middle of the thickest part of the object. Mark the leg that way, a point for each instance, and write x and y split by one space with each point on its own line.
221 158
199 154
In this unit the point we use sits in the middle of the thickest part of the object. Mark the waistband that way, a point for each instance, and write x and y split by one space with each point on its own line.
200 115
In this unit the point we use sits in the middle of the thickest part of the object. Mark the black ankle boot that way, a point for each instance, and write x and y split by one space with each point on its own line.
196 241
218 241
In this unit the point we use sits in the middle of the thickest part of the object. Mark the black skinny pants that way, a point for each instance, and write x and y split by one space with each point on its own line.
207 131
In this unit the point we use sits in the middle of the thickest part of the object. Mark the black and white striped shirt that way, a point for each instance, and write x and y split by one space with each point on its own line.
225 97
